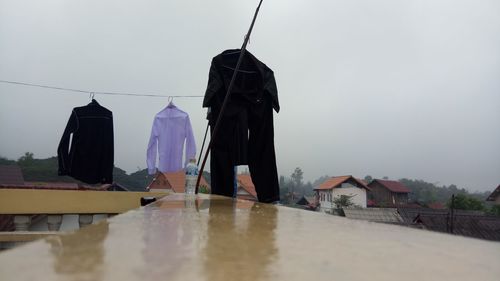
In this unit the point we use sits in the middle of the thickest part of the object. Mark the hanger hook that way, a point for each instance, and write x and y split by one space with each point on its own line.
170 99
91 95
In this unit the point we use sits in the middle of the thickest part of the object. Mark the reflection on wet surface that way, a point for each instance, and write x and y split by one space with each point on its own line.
240 245
216 238
221 234
80 257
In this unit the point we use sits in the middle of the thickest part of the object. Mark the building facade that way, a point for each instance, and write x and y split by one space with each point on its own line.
495 196
336 187
388 193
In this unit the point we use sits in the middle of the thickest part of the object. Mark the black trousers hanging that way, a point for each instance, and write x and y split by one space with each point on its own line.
245 136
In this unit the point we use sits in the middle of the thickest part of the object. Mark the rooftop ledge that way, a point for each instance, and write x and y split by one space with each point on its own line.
216 238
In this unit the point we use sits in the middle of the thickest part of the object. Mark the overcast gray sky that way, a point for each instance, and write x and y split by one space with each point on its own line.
386 88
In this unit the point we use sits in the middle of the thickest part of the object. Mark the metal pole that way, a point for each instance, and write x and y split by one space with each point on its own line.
202 146
452 212
226 98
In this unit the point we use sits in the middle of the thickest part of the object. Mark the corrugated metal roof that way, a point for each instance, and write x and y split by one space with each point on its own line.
385 215
409 214
484 227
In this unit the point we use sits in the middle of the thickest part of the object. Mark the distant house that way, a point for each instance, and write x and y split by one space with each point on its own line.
246 188
334 187
175 182
11 175
306 200
495 196
388 193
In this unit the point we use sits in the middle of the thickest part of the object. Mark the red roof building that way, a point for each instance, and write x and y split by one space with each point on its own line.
246 188
336 187
388 193
174 181
335 182
11 175
495 196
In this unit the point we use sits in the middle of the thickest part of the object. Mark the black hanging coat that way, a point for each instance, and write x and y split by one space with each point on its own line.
90 157
246 134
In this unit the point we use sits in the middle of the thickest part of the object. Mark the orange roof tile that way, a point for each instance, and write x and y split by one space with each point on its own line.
334 182
175 181
245 182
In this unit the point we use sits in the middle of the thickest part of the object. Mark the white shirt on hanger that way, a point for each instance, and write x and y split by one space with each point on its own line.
171 128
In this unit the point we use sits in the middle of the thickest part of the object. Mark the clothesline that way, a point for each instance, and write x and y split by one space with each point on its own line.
97 92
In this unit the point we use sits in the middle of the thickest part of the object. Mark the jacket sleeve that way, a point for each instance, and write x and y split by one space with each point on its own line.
63 148
190 143
152 149
214 85
271 89
110 155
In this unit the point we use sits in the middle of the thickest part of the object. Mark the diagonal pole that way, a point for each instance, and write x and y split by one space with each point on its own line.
226 98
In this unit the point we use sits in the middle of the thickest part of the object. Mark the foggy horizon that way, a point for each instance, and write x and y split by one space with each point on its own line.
397 89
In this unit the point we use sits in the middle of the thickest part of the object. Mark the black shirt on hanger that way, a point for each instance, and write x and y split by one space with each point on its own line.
90 158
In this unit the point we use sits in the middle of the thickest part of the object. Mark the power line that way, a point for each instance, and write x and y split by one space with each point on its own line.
96 92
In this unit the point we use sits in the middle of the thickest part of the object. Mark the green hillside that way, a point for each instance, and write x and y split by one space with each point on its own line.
46 170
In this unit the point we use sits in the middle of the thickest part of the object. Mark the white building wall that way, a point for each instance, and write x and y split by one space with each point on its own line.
324 203
359 194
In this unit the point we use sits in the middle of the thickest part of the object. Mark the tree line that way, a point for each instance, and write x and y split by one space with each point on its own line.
45 170
292 187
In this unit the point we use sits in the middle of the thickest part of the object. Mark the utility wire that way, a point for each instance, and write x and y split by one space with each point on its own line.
95 92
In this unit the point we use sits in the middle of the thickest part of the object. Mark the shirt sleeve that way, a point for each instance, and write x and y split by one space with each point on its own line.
271 89
109 158
190 143
63 148
152 149
214 85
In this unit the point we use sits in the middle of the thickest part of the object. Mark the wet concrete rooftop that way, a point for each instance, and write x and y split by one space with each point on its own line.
215 238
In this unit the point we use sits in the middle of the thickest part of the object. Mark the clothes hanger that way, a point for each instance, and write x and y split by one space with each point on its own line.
92 100
239 70
232 53
232 68
237 51
170 102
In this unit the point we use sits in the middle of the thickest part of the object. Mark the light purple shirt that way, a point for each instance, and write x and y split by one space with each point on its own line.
171 128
